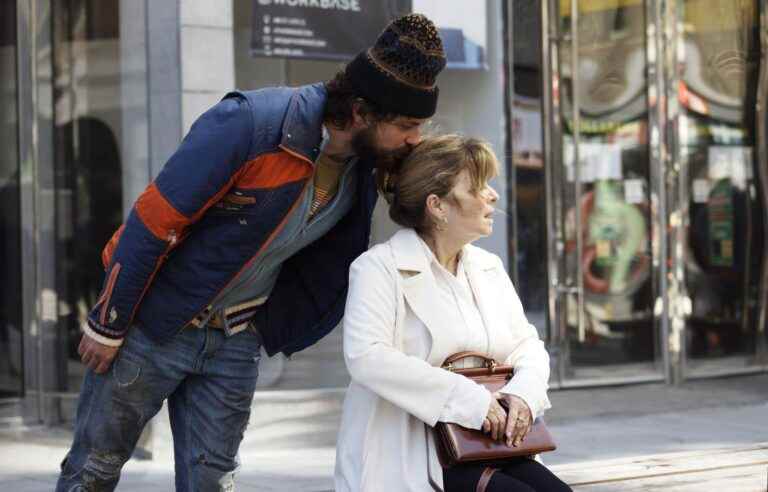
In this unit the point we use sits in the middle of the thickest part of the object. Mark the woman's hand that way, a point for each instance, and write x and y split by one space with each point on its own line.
519 419
495 420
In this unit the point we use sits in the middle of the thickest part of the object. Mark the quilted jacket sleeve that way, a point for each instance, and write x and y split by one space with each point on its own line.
197 175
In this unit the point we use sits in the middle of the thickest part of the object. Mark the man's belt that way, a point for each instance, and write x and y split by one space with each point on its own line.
232 319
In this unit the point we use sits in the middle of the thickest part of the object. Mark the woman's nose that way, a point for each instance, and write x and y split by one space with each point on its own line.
492 195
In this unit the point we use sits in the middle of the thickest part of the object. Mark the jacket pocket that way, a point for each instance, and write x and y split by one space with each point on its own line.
107 295
241 202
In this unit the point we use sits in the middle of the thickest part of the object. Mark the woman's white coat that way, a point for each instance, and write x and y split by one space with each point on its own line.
395 339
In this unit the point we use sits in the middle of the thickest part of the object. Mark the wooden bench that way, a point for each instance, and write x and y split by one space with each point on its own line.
734 469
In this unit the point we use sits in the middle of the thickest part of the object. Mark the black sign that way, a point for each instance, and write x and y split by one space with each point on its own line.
320 29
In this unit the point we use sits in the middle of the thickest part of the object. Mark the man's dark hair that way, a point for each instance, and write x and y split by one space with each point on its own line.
341 97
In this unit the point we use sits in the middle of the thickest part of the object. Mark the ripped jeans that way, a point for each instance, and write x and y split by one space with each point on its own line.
209 381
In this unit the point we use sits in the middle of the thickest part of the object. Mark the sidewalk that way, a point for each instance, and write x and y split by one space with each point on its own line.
289 445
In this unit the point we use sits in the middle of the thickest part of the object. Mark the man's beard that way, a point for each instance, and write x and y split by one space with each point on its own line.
365 147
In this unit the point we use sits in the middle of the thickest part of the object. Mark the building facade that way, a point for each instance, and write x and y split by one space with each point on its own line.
646 261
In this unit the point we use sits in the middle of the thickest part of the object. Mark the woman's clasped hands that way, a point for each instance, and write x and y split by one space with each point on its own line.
511 424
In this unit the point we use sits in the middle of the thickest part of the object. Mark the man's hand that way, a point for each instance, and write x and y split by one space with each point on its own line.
96 355
519 419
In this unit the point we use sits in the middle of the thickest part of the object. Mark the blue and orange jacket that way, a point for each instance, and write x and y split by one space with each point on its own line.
179 248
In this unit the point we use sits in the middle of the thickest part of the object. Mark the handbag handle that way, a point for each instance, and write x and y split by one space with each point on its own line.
489 362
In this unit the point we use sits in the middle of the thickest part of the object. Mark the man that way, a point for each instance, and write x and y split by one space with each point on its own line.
244 240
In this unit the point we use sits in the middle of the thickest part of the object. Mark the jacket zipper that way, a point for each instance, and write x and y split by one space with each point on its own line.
108 293
297 155
172 239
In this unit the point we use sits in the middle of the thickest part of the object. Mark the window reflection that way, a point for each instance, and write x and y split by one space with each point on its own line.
717 128
528 164
612 61
616 219
10 254
87 114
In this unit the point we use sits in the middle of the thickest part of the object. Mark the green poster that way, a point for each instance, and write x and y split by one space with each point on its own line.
720 211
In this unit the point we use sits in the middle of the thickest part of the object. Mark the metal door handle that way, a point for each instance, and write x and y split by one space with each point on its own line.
568 289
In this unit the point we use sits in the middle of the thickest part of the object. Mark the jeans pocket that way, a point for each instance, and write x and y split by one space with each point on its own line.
126 372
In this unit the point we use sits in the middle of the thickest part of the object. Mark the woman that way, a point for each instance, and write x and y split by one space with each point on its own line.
413 301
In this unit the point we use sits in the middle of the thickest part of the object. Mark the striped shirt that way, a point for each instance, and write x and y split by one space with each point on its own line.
326 181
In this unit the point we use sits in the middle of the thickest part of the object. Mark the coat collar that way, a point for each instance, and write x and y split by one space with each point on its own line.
409 254
420 286
302 130
303 124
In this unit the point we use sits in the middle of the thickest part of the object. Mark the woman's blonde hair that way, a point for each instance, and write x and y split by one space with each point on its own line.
433 168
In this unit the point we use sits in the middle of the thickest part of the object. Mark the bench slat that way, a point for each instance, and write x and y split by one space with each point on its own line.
711 461
742 479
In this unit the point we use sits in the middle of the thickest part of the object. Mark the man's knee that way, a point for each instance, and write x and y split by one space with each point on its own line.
99 471
214 473
103 466
103 444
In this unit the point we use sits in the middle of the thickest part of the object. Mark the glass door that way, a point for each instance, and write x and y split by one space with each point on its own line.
88 169
602 215
724 246
11 360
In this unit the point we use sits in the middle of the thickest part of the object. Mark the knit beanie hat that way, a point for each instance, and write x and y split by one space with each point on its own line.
398 73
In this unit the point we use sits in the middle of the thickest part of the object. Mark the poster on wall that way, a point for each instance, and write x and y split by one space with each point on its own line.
339 29
598 161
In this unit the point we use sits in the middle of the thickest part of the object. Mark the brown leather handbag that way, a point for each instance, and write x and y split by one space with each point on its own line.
457 445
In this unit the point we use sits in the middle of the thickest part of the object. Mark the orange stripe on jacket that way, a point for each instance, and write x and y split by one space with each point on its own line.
158 215
161 218
109 249
273 170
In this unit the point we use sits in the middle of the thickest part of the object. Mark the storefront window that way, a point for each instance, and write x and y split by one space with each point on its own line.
11 374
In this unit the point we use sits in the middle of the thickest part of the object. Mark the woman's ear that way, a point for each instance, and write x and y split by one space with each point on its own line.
435 207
